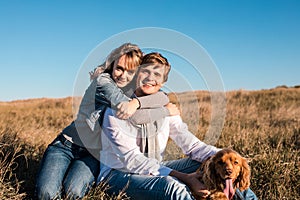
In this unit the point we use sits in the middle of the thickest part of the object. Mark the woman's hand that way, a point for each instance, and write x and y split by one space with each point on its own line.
127 109
173 110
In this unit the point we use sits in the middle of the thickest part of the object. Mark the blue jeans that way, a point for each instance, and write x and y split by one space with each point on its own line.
66 169
148 187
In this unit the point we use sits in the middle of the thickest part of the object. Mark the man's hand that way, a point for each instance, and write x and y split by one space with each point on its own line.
193 182
173 110
196 186
127 109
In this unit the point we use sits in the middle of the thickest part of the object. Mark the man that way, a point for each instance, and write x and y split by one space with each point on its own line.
131 155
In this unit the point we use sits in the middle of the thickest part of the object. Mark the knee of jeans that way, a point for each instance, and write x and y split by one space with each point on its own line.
47 192
75 192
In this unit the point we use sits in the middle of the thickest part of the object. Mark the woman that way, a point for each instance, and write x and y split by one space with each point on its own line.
70 163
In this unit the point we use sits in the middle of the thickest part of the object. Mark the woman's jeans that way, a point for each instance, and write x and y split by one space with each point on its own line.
148 187
66 169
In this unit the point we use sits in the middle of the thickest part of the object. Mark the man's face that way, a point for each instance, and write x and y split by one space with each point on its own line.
119 73
149 79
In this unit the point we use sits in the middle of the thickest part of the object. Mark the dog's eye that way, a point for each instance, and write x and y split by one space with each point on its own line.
236 162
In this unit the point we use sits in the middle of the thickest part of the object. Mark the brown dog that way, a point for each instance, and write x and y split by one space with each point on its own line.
224 172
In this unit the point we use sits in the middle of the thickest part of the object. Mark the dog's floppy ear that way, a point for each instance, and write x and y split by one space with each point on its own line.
210 175
244 177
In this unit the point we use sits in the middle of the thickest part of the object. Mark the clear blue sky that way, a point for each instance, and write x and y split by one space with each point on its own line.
255 44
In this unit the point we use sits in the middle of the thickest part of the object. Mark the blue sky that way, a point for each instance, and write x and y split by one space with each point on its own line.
254 44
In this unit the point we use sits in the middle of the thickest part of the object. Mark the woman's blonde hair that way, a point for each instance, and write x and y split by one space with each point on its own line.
133 58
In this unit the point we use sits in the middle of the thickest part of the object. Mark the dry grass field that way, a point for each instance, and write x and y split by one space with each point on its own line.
263 126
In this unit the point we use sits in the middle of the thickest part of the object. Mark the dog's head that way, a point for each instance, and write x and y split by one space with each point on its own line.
227 165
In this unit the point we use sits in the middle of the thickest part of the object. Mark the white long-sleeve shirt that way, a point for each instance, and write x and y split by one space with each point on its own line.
121 150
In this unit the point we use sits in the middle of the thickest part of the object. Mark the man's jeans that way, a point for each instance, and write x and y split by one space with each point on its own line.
66 168
148 187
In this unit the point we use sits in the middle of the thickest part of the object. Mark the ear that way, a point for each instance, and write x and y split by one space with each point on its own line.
244 177
210 175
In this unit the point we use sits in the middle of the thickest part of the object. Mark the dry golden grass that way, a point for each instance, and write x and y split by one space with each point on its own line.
37 121
263 126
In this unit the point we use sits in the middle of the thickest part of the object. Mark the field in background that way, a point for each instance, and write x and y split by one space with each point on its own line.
263 126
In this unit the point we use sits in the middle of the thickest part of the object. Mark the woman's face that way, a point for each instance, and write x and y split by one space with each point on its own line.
120 74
